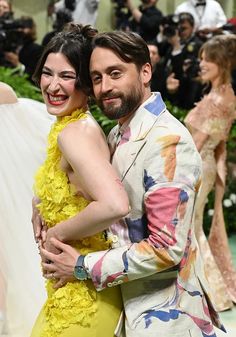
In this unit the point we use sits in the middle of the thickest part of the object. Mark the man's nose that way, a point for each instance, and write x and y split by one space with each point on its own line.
106 84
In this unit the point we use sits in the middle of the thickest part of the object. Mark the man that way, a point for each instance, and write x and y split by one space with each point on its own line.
208 14
183 87
83 11
5 8
145 19
154 256
159 73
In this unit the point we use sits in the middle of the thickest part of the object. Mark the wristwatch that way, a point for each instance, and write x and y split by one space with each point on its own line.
80 271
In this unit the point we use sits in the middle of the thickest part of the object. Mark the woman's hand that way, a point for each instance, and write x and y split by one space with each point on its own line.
36 220
49 234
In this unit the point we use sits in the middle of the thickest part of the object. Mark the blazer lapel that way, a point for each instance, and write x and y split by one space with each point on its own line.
134 137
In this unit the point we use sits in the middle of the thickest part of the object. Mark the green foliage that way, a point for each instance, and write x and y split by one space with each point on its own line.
231 144
229 206
176 111
20 83
105 123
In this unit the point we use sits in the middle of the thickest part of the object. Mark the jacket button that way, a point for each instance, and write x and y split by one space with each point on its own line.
115 238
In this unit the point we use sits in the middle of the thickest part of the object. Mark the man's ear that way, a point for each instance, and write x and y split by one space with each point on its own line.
146 73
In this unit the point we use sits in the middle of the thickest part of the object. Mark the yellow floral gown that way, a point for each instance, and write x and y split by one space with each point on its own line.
76 309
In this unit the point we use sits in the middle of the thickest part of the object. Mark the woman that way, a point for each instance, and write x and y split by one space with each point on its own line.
24 126
79 192
209 123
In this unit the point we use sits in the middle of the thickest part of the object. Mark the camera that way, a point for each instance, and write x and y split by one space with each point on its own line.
170 24
63 16
11 34
122 14
120 3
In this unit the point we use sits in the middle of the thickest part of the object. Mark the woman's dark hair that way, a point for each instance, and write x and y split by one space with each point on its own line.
74 42
130 47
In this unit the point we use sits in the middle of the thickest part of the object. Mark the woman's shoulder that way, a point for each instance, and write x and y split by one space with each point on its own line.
83 128
7 94
223 95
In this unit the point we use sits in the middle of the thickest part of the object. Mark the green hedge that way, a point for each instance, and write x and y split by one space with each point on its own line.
24 88
20 83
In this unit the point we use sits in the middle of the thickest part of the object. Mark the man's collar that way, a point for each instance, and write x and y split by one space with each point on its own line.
142 120
202 4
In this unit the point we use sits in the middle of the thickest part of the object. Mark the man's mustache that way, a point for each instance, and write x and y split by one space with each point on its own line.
110 95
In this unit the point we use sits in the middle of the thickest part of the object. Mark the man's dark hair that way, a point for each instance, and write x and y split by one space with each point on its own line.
184 16
74 42
130 47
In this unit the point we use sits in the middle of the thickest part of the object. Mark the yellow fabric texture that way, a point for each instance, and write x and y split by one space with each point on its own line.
76 302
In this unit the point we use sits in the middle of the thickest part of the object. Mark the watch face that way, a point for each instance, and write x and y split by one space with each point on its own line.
80 273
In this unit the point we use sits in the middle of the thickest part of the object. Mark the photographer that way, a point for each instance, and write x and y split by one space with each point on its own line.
181 59
145 19
5 15
62 17
208 16
26 53
83 11
5 8
158 81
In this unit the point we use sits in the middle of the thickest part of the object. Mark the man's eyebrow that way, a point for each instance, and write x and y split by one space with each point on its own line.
108 69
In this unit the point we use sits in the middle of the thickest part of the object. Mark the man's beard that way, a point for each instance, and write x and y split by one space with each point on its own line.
129 103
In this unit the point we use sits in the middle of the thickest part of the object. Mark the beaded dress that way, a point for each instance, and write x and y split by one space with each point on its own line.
214 116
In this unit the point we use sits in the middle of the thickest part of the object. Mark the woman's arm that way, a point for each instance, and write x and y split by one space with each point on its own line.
7 95
199 138
84 148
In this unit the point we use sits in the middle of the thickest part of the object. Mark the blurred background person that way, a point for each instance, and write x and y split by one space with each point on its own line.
83 11
5 14
24 52
5 8
145 19
210 123
61 17
159 75
180 48
208 15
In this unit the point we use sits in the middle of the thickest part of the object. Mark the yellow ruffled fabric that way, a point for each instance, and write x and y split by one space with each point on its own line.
74 303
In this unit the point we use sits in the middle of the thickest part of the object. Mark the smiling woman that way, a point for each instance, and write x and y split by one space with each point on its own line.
58 85
74 204
209 123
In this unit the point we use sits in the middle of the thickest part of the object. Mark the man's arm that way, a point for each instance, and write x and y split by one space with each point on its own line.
170 180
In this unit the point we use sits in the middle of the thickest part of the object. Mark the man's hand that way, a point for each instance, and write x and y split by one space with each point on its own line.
13 58
60 266
172 83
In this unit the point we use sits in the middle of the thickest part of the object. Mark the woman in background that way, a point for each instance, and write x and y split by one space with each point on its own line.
23 128
209 123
